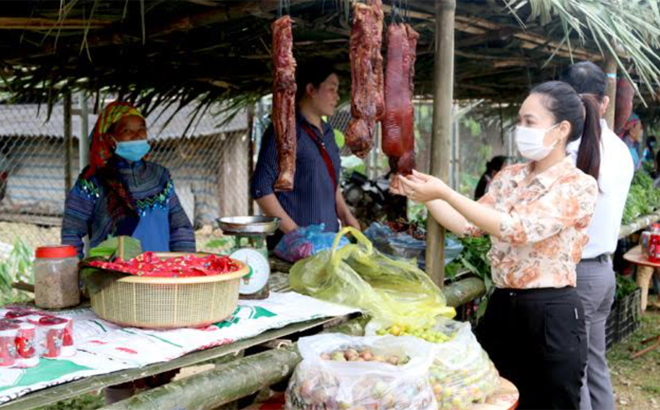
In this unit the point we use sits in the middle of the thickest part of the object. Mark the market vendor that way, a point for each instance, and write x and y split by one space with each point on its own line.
120 193
316 197
537 215
632 134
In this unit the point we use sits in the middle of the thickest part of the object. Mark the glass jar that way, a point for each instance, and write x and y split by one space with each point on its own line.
56 277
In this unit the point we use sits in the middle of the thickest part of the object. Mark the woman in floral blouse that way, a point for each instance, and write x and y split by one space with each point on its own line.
537 215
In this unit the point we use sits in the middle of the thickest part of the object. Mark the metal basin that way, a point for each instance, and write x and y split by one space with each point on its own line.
256 225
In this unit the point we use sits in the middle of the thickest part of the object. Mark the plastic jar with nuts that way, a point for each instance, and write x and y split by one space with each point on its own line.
56 277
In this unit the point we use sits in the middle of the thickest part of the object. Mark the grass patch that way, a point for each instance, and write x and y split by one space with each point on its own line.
635 381
89 401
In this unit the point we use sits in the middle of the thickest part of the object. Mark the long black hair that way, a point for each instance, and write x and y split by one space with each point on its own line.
581 112
495 164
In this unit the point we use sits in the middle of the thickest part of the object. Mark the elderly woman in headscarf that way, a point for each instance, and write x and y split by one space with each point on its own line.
632 134
120 193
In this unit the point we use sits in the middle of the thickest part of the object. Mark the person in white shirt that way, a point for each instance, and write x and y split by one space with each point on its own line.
596 280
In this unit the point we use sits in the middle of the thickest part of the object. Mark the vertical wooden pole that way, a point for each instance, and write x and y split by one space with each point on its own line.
83 142
610 70
68 143
250 161
443 83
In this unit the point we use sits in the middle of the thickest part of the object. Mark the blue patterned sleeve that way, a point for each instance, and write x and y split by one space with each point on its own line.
78 213
182 235
267 169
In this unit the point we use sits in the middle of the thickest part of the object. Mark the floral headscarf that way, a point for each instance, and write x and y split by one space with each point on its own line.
101 143
629 124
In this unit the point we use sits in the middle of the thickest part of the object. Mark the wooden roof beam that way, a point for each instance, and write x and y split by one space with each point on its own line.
479 25
33 23
501 34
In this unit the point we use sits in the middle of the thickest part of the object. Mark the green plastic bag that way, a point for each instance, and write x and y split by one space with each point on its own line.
389 290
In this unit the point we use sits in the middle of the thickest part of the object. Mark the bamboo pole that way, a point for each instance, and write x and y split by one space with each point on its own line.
638 224
68 143
440 141
463 291
610 70
223 385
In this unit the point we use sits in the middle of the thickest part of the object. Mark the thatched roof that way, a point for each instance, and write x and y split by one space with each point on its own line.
207 50
32 121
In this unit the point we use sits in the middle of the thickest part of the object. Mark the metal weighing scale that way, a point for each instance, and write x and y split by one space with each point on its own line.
250 247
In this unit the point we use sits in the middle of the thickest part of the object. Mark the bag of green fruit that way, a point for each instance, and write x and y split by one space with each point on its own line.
462 373
341 372
360 276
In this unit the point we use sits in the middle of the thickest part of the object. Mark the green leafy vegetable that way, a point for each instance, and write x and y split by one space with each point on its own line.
643 198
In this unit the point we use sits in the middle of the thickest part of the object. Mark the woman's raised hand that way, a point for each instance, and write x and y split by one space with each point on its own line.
420 187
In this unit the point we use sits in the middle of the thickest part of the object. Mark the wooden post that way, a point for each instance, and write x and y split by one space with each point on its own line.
68 143
250 164
443 81
83 142
610 70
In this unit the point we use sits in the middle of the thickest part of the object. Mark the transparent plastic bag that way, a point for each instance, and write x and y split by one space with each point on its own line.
402 245
358 275
319 383
461 373
305 242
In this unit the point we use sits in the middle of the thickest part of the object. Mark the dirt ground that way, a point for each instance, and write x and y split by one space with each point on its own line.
637 381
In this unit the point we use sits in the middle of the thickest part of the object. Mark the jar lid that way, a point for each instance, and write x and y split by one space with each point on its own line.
55 252
8 326
51 321
12 314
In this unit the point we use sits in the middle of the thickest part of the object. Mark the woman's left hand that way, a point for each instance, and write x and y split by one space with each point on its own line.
421 187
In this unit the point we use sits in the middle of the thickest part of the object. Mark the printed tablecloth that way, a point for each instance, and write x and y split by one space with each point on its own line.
103 347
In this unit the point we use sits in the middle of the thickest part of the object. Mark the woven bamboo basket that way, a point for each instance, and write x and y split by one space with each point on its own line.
163 303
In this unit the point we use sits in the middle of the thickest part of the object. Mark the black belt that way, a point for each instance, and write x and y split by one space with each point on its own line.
604 258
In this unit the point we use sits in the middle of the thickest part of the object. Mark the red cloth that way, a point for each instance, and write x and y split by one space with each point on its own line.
149 264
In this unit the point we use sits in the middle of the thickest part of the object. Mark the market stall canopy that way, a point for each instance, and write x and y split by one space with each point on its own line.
152 51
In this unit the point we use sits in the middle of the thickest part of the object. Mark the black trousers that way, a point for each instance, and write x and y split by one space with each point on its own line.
537 340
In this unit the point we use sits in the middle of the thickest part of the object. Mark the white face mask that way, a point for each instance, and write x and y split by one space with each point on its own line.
530 142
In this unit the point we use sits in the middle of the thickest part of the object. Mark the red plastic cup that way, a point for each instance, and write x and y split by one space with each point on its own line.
68 346
53 329
8 354
26 345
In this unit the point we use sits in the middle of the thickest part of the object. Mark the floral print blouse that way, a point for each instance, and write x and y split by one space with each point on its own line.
544 224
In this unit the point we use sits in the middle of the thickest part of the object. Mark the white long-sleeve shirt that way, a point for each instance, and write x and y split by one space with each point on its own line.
616 173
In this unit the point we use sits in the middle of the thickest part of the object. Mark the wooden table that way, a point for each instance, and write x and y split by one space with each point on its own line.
75 388
505 398
644 276
644 272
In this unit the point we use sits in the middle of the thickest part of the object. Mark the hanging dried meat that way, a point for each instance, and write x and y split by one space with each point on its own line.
398 120
367 99
625 92
284 102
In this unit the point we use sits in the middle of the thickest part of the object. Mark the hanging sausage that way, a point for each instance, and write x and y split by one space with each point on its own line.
398 141
284 102
367 100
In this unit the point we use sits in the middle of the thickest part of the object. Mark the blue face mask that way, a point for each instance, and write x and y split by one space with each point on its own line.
132 150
